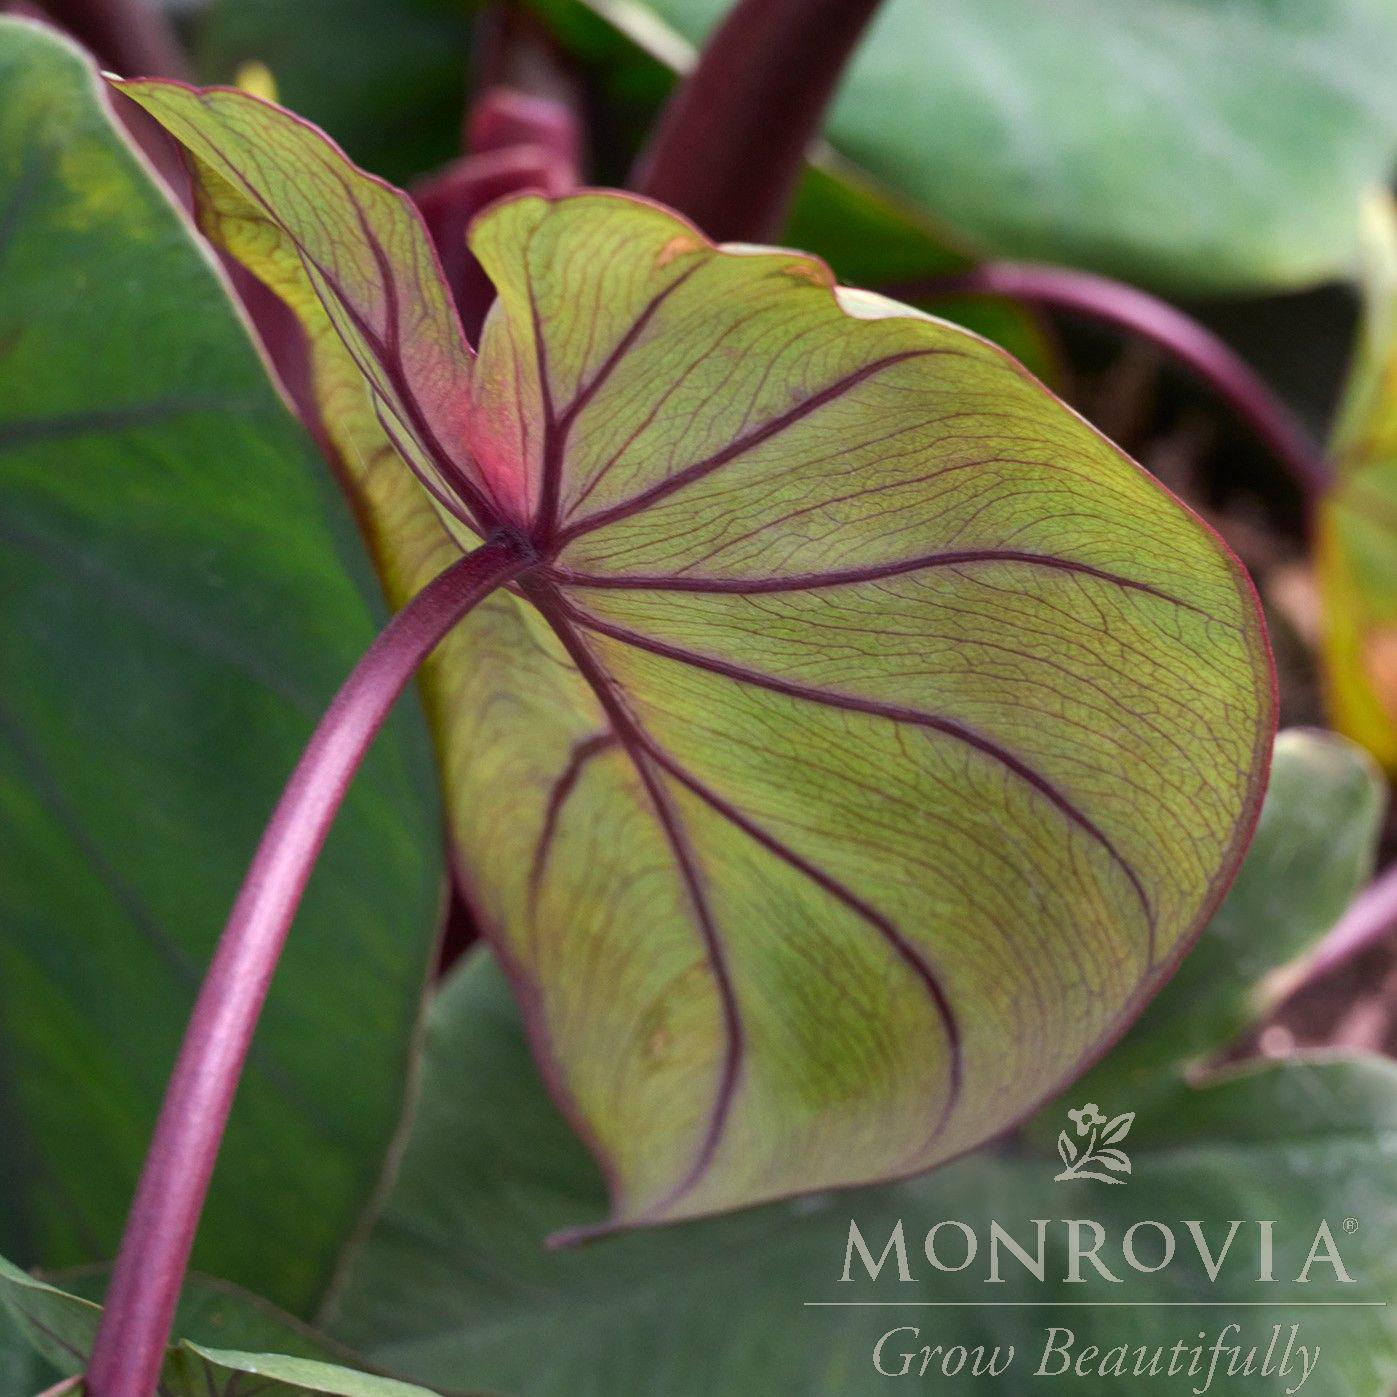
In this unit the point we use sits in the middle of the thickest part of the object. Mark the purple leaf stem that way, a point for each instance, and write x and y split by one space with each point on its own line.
145 1285
730 145
1370 917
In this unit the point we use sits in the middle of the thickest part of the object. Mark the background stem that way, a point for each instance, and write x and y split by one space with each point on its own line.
145 1285
1126 308
1371 916
731 143
133 37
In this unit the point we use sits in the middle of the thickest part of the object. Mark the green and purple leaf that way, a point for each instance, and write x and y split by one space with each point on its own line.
871 737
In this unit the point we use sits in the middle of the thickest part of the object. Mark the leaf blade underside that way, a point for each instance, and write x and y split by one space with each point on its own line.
701 612
871 738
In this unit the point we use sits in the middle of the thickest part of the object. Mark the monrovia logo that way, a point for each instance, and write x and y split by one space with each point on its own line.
1097 1149
1246 1247
1080 1263
1063 1253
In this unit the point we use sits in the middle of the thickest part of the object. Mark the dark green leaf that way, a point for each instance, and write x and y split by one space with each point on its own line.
23 1370
180 594
218 1315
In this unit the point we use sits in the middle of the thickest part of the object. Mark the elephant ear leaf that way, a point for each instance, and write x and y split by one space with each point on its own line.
1357 521
870 739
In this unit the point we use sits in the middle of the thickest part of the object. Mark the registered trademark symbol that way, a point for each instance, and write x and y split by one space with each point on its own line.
1350 1225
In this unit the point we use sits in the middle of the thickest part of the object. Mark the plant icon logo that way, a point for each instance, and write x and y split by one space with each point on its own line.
1094 1148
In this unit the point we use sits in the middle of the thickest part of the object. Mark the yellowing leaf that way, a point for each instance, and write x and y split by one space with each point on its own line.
871 737
1357 523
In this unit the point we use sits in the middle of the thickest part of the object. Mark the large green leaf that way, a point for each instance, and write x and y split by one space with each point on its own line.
870 738
59 1328
23 1370
455 1285
1357 528
179 598
1195 144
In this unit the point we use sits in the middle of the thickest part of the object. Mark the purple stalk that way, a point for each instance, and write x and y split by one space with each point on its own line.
145 1285
515 142
1137 312
731 143
1370 917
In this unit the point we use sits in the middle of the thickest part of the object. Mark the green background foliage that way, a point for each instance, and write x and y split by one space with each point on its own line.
1196 145
387 79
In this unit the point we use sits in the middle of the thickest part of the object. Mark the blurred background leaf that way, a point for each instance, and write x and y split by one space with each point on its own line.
1357 525
23 1370
386 78
1190 144
58 1328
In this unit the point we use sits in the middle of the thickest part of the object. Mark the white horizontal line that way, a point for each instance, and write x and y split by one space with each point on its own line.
1097 1304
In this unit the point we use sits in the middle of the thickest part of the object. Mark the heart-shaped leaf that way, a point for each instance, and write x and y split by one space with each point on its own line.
870 739
1357 530
180 596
